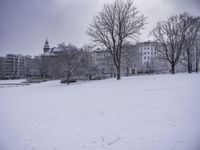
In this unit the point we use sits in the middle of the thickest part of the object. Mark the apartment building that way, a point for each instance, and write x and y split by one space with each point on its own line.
15 66
2 67
149 58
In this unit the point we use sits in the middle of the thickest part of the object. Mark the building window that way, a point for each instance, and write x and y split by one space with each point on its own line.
144 57
144 53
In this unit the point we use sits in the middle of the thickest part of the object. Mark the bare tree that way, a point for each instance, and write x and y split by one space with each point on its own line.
70 60
191 27
169 34
116 23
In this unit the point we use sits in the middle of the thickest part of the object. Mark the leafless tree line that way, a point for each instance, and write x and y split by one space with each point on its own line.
120 21
114 27
179 37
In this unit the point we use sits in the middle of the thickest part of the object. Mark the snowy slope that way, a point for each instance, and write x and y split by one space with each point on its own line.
158 112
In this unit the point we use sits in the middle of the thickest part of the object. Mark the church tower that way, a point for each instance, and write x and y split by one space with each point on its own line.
46 47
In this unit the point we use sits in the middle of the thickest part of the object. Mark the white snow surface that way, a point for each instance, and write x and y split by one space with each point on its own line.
151 112
12 81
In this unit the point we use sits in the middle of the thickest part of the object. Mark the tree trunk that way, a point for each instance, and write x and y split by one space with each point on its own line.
173 68
68 77
118 72
189 67
127 71
197 67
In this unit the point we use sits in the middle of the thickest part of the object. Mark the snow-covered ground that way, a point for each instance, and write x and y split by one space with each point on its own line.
12 81
158 112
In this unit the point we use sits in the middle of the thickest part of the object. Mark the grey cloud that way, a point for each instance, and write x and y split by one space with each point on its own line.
26 23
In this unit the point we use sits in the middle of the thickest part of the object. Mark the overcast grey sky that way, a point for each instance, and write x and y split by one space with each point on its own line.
25 24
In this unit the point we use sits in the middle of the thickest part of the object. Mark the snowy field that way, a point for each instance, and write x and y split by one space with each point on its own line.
157 112
11 81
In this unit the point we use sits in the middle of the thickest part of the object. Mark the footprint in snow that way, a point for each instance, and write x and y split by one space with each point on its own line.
113 142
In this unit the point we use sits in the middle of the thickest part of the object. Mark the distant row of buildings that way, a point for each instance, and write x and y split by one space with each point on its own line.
14 66
141 58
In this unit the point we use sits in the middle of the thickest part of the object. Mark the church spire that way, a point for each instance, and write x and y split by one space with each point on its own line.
46 47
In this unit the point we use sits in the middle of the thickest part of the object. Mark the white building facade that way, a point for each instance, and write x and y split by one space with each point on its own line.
149 58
